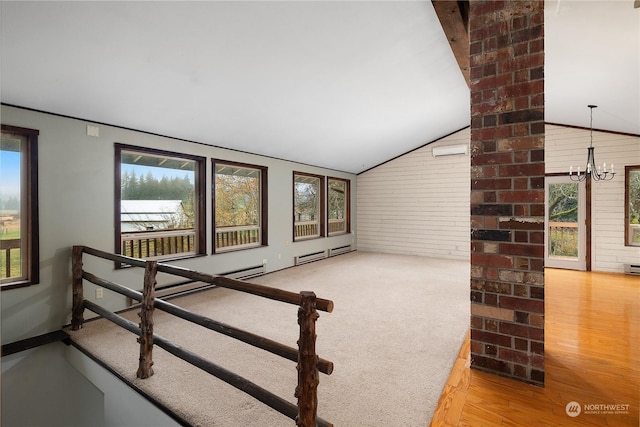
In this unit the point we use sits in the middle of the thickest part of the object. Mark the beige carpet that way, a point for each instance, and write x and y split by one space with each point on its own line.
396 329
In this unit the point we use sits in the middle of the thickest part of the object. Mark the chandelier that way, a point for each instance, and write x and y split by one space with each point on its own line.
596 173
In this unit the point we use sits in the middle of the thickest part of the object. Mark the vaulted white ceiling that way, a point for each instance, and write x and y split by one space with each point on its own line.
344 85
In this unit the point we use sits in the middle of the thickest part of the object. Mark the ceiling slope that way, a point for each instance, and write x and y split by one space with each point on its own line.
337 84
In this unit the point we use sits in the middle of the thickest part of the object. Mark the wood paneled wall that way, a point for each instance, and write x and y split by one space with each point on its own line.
568 146
417 204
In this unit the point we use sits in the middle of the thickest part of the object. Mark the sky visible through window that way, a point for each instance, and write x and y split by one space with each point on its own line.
9 174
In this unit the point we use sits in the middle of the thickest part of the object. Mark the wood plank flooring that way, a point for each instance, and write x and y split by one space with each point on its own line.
592 357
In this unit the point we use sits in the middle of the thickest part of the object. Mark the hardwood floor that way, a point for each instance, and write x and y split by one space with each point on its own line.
592 357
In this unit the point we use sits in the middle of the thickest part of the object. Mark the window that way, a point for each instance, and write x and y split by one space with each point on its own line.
159 213
308 202
338 211
632 205
240 206
19 246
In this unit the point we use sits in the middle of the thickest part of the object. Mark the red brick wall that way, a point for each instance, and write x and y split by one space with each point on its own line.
507 188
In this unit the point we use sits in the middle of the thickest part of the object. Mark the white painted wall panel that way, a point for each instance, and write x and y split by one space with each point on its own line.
568 146
417 204
76 200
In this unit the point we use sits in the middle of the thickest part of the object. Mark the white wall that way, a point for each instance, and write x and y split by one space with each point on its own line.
76 199
122 405
39 388
57 385
568 146
417 204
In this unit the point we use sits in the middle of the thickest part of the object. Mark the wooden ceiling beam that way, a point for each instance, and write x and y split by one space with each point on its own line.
454 18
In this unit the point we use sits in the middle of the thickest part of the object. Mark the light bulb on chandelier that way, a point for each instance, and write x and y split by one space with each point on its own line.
596 173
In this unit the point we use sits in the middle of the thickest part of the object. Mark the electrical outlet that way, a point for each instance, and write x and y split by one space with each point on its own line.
264 261
99 293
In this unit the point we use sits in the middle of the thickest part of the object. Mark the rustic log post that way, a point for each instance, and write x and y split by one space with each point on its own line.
146 320
77 308
307 389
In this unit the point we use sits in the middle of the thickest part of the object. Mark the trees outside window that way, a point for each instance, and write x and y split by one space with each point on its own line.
19 247
338 206
308 203
239 206
632 205
158 210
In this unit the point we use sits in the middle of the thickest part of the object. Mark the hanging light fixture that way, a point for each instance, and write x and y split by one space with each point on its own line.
596 173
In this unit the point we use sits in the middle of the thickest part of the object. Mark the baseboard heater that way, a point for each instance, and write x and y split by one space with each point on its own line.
632 269
175 289
340 250
246 273
183 288
303 259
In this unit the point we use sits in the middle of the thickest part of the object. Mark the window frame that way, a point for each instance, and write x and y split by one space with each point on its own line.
200 174
321 207
347 207
29 177
263 210
627 182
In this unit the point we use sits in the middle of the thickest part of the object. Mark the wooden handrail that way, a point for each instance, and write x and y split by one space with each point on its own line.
224 282
281 405
290 353
309 364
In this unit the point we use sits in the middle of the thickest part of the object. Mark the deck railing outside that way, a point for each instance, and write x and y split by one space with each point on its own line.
237 236
337 225
563 239
158 243
307 229
10 258
634 234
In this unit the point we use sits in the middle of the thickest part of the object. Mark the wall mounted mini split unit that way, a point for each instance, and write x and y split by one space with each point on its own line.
449 150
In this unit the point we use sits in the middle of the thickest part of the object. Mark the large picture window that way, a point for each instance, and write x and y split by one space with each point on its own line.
239 206
308 203
159 209
19 247
632 209
338 206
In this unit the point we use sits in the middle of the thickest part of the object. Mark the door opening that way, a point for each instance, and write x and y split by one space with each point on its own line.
565 223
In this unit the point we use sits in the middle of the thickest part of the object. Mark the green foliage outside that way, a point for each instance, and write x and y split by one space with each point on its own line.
150 187
634 203
15 264
237 200
9 234
306 201
563 208
337 202
563 202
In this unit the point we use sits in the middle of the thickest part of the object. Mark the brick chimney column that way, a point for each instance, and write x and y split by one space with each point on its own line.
507 188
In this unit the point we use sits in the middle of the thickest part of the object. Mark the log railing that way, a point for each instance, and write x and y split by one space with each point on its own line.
308 363
6 246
